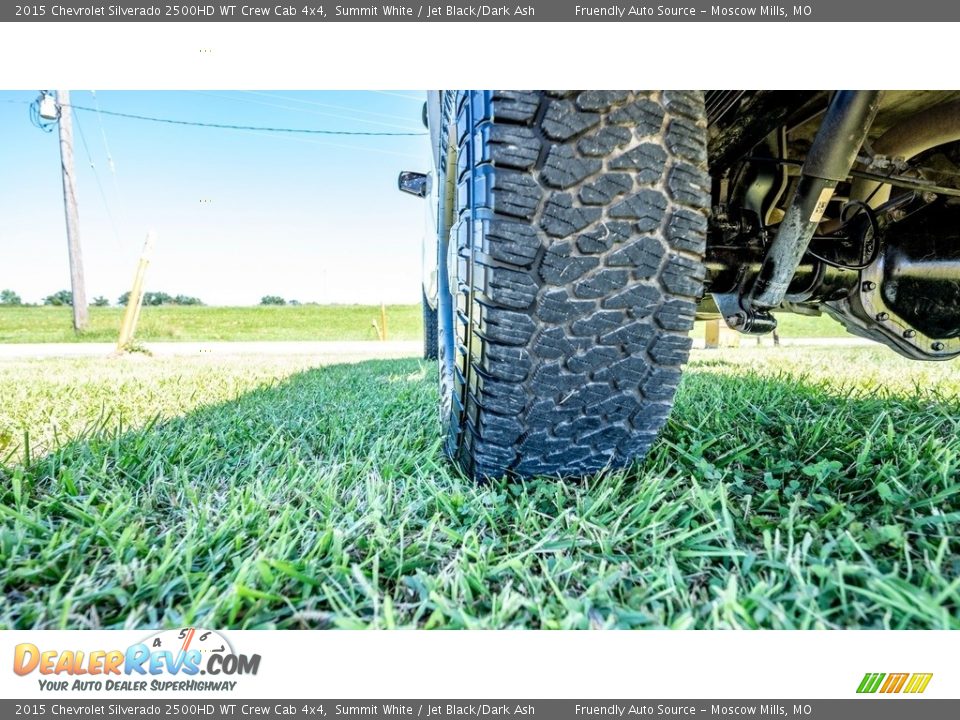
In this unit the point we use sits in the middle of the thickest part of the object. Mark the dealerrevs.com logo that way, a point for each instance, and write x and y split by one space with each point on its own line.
169 660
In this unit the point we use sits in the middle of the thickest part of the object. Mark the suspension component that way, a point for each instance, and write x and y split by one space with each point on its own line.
829 160
910 297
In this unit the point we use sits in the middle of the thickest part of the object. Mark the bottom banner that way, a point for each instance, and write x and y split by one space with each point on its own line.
182 670
874 709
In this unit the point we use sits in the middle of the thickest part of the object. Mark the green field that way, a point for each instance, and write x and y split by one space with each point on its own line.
795 326
173 323
794 488
304 322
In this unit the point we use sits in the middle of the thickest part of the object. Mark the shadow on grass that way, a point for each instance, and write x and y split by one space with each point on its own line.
323 501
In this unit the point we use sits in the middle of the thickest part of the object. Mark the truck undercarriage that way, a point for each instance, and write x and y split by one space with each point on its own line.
846 203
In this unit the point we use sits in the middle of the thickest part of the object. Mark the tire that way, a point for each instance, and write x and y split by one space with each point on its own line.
430 329
569 276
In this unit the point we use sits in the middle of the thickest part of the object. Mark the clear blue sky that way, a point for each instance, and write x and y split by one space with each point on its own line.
311 218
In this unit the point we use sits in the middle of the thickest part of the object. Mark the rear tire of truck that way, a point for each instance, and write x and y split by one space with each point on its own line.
569 276
430 330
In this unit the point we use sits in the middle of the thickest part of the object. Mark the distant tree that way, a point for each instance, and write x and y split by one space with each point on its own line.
157 298
294 303
100 301
186 300
63 297
272 300
161 298
9 297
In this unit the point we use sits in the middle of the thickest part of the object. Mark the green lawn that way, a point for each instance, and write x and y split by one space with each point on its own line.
790 325
304 322
794 488
171 323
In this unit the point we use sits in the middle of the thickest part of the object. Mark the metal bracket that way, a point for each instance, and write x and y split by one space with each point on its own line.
750 322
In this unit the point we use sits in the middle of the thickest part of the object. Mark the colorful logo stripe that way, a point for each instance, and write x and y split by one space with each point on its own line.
918 682
894 683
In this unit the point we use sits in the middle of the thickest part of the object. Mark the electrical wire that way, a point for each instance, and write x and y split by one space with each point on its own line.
110 163
96 176
40 122
296 109
331 143
256 128
103 136
865 208
405 123
314 103
396 94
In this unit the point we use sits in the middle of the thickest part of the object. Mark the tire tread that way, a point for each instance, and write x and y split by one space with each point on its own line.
581 226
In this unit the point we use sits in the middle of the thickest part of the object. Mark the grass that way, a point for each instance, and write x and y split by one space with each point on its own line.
172 323
799 326
304 322
794 488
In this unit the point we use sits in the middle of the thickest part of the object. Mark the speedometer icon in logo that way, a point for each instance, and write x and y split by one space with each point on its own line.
182 640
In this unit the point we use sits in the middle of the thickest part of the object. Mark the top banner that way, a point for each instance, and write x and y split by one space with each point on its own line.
462 11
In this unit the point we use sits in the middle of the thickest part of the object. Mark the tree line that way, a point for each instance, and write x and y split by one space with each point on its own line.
65 298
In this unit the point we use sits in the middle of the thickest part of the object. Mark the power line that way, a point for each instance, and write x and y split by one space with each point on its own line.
228 126
408 126
304 101
37 120
96 175
414 98
110 163
333 144
257 128
103 135
289 109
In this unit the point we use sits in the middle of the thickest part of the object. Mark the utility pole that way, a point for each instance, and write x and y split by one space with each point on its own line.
77 285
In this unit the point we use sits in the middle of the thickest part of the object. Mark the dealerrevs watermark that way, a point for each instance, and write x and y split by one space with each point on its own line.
172 660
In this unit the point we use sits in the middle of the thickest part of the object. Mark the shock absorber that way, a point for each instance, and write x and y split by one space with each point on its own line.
832 154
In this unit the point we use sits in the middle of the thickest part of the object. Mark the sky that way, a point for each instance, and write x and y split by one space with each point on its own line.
237 214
